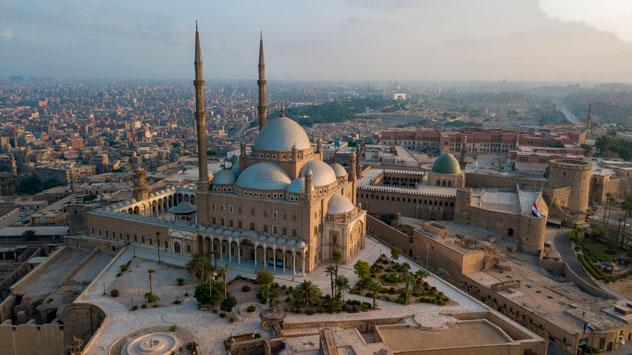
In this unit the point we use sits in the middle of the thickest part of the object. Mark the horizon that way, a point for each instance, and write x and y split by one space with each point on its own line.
524 41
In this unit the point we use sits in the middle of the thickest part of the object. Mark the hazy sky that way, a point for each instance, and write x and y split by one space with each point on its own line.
525 40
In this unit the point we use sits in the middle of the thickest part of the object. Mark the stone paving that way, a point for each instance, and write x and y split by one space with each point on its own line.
210 330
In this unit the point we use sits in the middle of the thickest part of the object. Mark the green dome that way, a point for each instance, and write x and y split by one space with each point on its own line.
446 164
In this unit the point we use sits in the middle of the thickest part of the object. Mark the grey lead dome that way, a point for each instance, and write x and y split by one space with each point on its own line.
280 135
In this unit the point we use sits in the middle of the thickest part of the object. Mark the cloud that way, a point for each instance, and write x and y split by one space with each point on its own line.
7 34
612 16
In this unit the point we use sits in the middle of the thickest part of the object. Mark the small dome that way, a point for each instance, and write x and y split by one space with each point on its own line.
298 186
280 135
446 164
339 204
224 177
263 176
322 173
339 170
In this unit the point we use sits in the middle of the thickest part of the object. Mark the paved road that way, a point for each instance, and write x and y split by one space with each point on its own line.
564 247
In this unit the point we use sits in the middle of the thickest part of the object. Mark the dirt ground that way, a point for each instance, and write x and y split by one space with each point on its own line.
134 283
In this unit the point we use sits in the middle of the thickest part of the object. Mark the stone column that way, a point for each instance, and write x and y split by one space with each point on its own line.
238 252
283 260
303 253
293 262
256 246
230 249
274 257
265 257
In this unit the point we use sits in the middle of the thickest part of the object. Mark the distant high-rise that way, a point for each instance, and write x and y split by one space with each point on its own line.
200 113
589 120
262 109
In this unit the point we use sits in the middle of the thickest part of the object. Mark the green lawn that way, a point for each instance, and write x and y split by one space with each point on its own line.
601 251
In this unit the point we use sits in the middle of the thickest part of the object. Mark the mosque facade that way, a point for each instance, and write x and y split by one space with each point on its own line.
279 205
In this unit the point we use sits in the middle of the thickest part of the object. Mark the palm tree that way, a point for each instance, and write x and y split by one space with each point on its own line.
331 271
149 273
308 293
407 277
336 256
223 271
342 285
374 287
199 266
626 206
420 275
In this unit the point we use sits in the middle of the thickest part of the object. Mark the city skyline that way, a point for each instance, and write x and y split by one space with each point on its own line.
546 40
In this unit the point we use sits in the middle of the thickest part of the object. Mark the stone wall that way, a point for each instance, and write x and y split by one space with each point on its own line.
409 202
482 180
31 339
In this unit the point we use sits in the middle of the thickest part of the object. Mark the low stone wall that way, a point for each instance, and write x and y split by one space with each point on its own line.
362 325
561 268
19 286
85 242
67 280
31 339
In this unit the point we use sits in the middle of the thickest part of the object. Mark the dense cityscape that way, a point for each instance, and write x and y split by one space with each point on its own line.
268 216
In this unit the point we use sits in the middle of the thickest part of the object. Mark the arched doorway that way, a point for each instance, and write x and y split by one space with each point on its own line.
176 247
510 232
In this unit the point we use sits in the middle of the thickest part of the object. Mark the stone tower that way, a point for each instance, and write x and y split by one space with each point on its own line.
262 108
200 114
574 174
140 191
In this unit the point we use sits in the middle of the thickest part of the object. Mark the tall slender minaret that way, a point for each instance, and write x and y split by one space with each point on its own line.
589 120
200 113
262 109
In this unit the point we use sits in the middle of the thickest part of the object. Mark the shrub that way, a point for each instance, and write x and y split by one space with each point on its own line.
192 346
222 314
309 312
251 309
114 292
366 306
119 274
228 303
232 318
143 306
180 281
124 267
173 328
151 298
245 288
134 308
177 301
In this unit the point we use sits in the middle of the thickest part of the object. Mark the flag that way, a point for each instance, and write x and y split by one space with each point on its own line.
535 211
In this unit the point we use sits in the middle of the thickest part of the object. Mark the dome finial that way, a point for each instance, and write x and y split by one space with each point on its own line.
282 109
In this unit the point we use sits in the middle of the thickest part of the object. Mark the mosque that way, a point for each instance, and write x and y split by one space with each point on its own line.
277 206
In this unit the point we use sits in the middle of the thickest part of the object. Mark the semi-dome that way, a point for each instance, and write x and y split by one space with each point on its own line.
280 135
339 170
298 186
224 177
183 208
339 204
322 173
446 164
263 176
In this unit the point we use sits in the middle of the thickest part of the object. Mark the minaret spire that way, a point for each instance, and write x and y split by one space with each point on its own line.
200 113
262 109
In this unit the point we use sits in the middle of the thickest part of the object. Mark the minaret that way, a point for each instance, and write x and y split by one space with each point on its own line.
262 109
200 114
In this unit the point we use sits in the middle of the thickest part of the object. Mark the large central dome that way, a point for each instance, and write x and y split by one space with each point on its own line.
280 135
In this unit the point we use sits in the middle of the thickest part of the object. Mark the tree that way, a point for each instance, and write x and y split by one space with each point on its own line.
342 285
264 277
331 271
420 275
336 256
374 287
307 293
362 269
150 272
199 266
626 206
407 277
395 253
209 292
